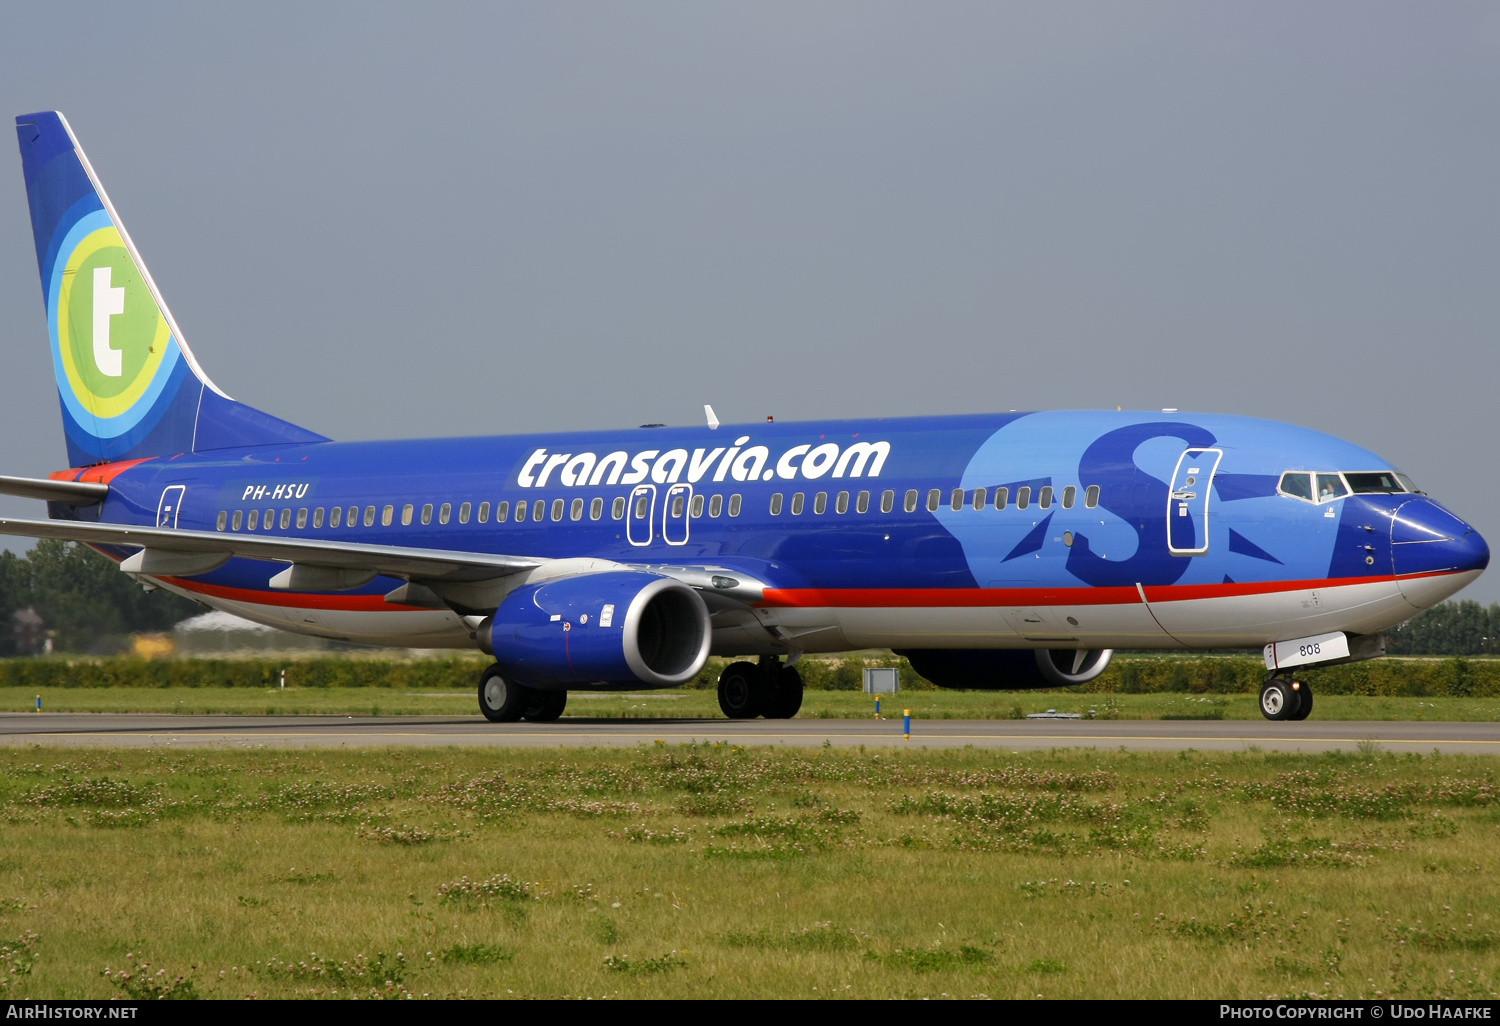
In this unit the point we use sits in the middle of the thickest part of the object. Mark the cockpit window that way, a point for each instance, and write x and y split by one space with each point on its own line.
1407 482
1384 481
1297 485
1330 486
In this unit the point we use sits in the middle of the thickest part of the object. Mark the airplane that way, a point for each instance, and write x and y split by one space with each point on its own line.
994 551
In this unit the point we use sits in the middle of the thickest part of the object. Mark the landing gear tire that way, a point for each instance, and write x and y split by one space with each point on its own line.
501 700
1304 707
742 688
546 706
786 695
1279 700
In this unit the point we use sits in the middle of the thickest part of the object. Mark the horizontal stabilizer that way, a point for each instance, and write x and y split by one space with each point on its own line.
74 493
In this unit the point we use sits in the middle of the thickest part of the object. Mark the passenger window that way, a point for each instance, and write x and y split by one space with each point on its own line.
957 502
716 505
697 506
238 521
981 497
1044 499
910 505
445 512
388 516
842 503
576 513
820 503
502 512
484 514
862 503
302 518
318 518
797 501
1002 498
1091 496
269 520
1023 496
538 510
1330 486
223 520
254 519
521 510
463 512
1070 496
427 514
596 508
557 509
617 508
734 505
679 502
1298 485
336 516
887 501
640 508
286 519
406 515
934 497
776 505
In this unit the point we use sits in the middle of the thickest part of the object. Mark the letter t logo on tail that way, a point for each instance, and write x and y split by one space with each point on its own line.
107 301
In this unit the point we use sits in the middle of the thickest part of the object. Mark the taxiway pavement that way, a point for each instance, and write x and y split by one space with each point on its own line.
174 731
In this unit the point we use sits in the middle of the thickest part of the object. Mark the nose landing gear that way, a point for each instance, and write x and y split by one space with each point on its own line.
1285 698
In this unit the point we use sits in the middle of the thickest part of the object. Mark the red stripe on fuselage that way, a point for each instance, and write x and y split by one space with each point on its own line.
878 598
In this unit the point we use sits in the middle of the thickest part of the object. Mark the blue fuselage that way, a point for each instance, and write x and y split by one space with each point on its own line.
893 513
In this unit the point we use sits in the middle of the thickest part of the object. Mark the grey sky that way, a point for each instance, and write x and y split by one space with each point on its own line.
385 220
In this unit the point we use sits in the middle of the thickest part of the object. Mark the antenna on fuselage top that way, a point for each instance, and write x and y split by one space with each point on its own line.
713 422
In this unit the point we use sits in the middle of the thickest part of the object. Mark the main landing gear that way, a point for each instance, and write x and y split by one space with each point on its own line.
748 690
1285 698
505 701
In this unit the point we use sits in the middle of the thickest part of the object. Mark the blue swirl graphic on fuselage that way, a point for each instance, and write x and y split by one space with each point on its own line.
1136 497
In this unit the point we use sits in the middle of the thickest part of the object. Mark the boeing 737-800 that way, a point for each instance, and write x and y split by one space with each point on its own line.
1006 550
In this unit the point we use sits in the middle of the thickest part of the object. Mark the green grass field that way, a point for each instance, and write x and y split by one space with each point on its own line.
704 704
716 871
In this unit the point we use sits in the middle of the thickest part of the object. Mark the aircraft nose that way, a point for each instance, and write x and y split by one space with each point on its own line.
1426 539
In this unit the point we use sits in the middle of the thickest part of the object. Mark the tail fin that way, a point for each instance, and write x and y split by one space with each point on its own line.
129 385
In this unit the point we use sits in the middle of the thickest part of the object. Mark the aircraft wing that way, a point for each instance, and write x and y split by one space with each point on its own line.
201 547
462 579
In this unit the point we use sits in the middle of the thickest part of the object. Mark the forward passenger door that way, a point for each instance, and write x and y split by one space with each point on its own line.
1187 504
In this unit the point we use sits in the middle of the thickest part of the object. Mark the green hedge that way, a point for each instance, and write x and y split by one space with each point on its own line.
1125 675
1240 675
455 674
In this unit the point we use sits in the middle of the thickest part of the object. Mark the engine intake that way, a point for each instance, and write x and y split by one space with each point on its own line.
618 627
1008 669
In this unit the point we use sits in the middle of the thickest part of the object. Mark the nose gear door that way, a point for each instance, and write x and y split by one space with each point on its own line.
641 513
170 507
1187 503
675 515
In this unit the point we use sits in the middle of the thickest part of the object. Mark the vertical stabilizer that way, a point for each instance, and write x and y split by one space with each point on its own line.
130 387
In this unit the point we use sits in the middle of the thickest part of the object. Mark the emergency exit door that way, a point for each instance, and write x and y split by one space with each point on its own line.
639 516
676 515
1187 504
170 507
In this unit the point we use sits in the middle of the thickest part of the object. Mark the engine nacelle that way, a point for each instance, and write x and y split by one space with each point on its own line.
1008 669
617 627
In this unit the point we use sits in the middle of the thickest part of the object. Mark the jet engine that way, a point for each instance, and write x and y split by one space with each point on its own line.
1008 669
621 627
